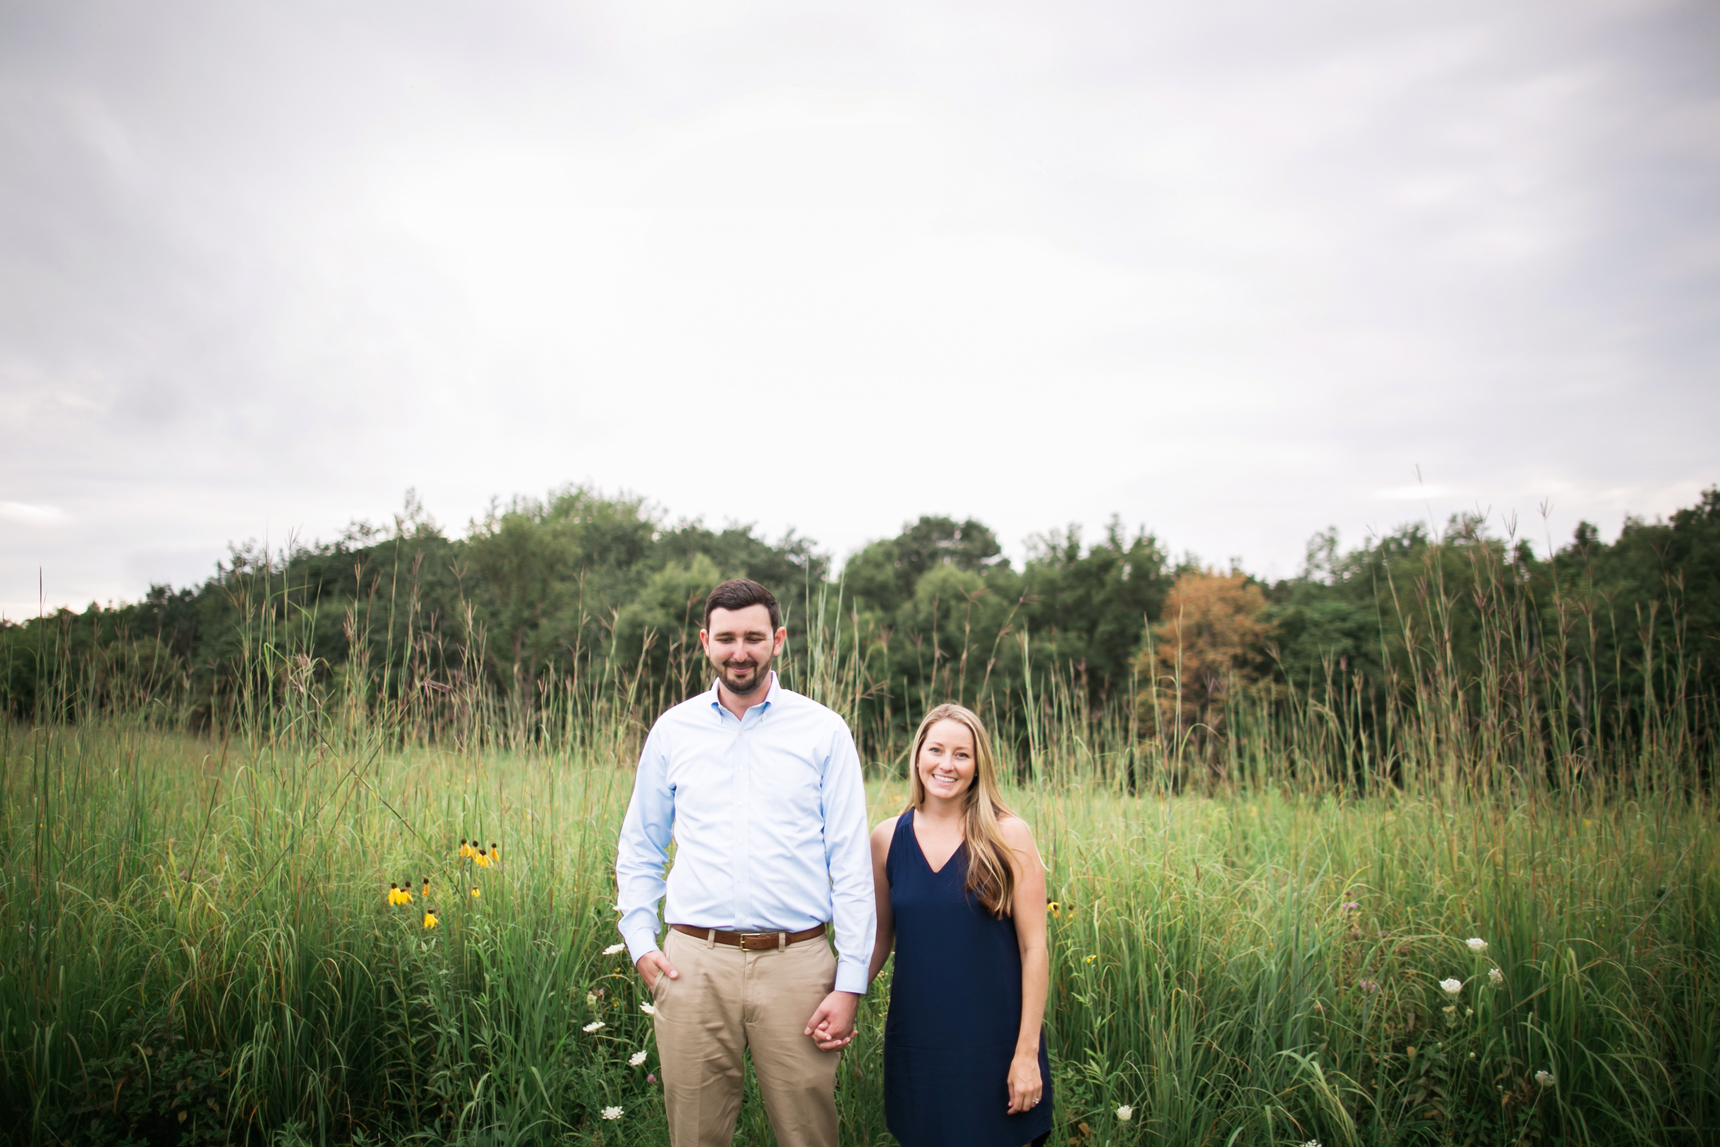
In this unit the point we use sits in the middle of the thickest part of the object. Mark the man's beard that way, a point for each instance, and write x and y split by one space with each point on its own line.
761 674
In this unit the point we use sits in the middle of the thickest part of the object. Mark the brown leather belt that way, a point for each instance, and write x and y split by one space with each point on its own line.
750 941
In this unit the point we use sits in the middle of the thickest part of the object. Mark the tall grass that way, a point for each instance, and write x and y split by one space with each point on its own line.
1249 928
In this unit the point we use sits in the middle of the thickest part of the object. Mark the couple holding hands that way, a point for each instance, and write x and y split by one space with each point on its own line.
759 789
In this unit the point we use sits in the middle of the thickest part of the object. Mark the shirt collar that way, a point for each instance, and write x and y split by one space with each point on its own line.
770 696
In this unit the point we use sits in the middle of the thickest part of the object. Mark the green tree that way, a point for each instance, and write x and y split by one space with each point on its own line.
547 573
658 631
883 575
1088 608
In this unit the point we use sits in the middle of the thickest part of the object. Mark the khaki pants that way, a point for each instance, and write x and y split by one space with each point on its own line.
726 1001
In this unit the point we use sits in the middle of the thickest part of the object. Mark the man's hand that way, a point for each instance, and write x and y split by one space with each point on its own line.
654 964
832 1025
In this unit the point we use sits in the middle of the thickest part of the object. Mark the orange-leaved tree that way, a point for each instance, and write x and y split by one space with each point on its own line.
1210 642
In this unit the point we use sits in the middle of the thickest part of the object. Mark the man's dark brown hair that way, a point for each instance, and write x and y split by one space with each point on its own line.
740 592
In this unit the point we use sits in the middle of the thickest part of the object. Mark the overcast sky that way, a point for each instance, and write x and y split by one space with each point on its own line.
1232 270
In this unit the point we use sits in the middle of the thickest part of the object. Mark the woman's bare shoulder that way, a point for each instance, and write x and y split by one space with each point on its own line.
885 830
1016 831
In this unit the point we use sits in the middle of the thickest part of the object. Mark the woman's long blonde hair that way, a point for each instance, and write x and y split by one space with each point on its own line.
990 871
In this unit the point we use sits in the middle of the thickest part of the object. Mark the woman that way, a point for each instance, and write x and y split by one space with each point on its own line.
961 898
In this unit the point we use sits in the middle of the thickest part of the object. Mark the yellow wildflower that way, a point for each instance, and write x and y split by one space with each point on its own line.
465 849
394 893
1054 908
495 853
483 859
475 892
430 918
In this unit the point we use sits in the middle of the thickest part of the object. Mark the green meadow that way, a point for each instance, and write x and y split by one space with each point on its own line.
198 948
1461 890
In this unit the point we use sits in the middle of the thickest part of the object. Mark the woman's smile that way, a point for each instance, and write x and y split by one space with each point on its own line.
946 761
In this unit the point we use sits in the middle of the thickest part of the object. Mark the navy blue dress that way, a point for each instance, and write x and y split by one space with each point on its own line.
955 1011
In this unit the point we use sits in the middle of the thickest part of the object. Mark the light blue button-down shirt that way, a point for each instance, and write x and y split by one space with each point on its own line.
768 815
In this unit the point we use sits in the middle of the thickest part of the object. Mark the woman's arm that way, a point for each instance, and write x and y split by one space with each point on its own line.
1028 911
881 889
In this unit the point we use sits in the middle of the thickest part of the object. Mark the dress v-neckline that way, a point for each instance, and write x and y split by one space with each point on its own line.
926 860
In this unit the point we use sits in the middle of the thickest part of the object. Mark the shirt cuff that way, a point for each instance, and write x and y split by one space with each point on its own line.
640 943
849 978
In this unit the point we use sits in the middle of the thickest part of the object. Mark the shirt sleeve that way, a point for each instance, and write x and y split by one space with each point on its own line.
848 854
643 851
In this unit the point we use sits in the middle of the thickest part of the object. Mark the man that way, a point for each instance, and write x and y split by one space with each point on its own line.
761 789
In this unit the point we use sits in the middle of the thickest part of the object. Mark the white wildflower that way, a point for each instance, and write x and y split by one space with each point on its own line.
594 1025
648 1009
637 1058
614 948
1451 987
1545 1078
1125 1113
1495 976
1476 945
1312 1143
591 999
612 1113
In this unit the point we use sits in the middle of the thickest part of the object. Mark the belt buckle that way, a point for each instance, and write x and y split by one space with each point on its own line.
747 939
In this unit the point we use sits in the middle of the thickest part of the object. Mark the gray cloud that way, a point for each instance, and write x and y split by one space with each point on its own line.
1227 270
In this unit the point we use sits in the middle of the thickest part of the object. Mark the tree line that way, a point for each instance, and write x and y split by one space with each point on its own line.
582 586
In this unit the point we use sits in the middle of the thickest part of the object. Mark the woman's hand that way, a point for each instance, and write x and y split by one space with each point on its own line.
1025 1084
